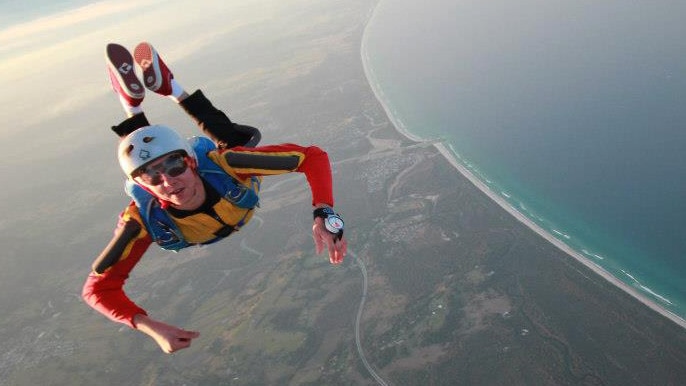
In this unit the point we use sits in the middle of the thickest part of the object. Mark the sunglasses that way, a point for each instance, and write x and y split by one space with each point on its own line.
173 166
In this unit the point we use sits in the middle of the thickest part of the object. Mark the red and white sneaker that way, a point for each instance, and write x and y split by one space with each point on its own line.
156 74
123 75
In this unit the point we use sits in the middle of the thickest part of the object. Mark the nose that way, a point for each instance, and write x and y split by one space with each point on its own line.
166 179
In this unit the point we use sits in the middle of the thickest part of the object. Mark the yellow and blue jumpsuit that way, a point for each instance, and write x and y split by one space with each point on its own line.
104 287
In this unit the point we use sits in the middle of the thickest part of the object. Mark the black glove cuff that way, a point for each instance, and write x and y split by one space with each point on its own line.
322 212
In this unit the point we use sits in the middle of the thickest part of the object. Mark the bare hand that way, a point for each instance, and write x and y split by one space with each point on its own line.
337 248
168 337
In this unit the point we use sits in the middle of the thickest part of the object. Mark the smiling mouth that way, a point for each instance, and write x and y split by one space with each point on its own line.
176 192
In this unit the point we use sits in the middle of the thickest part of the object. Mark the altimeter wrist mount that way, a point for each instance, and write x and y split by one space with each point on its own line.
332 221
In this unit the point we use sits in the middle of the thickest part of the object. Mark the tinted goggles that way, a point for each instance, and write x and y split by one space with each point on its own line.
174 165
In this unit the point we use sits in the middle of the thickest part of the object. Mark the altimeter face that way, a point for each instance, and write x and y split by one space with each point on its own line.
333 223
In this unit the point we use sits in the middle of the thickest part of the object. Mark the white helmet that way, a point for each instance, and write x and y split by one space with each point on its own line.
147 144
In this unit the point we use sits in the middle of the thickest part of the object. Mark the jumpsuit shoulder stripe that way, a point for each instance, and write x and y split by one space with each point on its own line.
115 249
264 161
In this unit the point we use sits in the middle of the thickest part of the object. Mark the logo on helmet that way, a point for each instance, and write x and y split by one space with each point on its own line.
144 154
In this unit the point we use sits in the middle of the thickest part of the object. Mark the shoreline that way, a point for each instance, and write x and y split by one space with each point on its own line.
448 155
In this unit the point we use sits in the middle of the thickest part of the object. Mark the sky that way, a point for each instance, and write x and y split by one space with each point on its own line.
63 188
57 100
54 64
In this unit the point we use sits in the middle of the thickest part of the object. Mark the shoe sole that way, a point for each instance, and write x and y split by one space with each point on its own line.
148 60
120 66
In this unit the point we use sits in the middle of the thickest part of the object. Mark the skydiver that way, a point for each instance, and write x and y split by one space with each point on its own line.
190 191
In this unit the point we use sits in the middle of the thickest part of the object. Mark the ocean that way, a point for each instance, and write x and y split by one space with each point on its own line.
572 111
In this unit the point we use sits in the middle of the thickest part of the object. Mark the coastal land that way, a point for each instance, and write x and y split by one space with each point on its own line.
443 286
557 242
497 198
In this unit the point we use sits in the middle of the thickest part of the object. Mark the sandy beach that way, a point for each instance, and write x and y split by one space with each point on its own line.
553 240
449 156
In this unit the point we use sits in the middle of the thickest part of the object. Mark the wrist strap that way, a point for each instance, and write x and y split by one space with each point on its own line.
322 212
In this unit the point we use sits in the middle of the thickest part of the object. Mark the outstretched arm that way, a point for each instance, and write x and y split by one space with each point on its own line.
285 158
104 287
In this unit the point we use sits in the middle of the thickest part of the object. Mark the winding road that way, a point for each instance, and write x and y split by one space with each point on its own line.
360 308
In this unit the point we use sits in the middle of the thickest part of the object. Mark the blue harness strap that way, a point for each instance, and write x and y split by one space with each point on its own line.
159 223
229 188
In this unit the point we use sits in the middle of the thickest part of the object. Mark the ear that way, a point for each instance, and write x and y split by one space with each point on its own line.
192 163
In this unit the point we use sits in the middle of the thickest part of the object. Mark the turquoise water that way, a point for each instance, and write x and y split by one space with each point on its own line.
574 112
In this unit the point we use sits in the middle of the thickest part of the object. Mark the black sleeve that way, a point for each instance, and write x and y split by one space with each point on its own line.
216 124
115 249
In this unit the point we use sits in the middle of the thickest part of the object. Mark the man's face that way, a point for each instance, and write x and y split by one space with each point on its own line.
172 178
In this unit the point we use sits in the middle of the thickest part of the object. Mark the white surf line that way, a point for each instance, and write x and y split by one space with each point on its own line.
358 341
